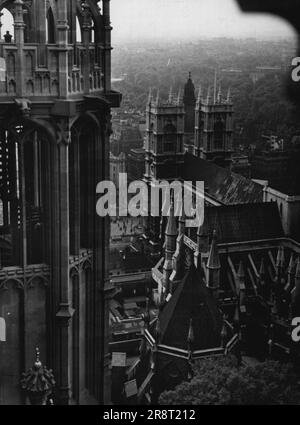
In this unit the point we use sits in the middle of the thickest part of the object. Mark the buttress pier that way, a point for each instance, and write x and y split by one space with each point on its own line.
55 123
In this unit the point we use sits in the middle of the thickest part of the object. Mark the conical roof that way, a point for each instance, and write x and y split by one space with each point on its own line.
191 301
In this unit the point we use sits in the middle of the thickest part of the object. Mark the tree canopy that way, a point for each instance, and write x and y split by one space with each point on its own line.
220 381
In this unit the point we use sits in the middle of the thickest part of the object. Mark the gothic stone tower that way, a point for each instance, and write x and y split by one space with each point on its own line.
164 148
55 122
189 101
214 128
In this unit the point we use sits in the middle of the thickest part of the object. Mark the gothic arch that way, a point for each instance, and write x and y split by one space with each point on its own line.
50 27
7 4
38 279
7 26
87 265
13 283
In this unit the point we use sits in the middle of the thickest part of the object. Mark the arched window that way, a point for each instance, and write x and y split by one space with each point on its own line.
78 31
50 27
93 38
7 22
170 137
219 135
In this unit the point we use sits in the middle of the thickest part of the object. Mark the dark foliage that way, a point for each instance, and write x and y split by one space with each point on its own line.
221 382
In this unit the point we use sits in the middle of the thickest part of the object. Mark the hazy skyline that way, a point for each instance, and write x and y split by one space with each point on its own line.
182 19
165 20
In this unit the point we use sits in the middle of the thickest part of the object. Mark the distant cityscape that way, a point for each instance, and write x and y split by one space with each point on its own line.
202 125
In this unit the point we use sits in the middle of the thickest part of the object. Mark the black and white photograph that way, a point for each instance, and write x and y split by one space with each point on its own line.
149 205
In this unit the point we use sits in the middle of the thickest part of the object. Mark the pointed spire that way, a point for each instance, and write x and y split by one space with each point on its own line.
219 99
291 268
241 271
291 274
157 97
280 265
261 281
215 86
170 95
280 257
262 269
213 262
150 95
190 75
179 96
171 229
229 95
181 223
236 318
199 94
157 330
208 99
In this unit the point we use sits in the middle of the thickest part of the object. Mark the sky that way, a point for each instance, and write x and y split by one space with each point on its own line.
182 19
185 19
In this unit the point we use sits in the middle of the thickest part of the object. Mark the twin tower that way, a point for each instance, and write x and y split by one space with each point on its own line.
202 126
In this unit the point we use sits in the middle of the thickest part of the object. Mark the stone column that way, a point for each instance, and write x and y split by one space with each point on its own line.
62 28
19 40
107 45
65 312
86 37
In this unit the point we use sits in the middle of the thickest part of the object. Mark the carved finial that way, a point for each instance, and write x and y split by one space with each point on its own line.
37 363
38 382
